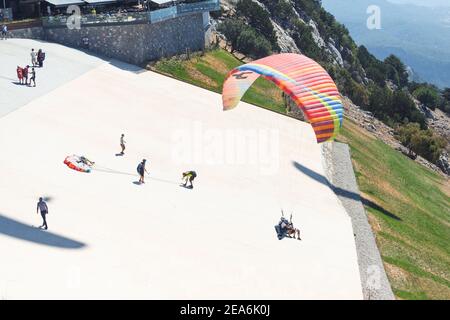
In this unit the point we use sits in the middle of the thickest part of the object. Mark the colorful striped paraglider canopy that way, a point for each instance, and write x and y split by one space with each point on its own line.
303 79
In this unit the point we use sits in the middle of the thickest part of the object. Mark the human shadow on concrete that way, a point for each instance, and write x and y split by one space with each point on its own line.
19 230
343 192
8 78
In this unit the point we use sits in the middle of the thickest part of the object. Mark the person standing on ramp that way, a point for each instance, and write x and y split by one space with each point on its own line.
141 170
42 206
122 144
33 58
33 77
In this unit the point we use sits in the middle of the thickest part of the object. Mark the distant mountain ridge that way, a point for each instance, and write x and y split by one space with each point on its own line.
419 35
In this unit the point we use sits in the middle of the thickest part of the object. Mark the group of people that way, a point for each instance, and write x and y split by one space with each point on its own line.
23 74
27 76
187 177
285 228
37 58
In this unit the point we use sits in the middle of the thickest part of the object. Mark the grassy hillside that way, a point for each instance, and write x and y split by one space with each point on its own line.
411 218
209 71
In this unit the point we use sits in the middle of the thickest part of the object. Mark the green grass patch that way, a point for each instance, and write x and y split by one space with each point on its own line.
411 295
209 71
413 218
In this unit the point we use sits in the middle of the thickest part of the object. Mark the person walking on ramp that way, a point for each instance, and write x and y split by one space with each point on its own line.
33 77
141 170
42 206
122 144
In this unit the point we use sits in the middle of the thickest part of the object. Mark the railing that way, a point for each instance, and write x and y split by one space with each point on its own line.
163 14
22 24
104 18
137 17
208 5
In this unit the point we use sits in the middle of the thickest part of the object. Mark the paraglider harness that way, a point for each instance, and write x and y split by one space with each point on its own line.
284 227
86 161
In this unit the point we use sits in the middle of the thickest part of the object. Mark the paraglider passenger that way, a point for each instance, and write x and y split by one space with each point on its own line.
286 228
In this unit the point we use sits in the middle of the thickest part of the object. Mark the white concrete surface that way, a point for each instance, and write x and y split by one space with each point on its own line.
111 238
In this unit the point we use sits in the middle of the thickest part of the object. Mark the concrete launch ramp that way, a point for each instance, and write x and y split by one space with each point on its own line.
109 237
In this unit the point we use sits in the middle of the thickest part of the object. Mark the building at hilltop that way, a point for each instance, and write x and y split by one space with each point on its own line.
131 31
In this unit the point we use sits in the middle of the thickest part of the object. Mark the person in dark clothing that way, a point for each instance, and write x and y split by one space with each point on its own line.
189 176
42 206
40 58
141 170
25 74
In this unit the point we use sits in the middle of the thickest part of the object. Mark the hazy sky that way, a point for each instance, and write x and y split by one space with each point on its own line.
428 3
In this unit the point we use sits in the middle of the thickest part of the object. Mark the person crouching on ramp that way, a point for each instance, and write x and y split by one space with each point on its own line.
188 176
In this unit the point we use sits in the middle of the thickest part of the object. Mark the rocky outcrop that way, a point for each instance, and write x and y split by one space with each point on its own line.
444 162
366 120
284 40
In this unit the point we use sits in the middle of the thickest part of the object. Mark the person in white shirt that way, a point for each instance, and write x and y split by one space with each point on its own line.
122 144
42 206
4 31
33 57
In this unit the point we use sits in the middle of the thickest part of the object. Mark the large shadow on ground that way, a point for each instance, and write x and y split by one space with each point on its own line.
342 192
16 229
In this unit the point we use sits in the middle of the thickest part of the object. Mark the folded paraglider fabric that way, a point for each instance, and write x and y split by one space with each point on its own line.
74 162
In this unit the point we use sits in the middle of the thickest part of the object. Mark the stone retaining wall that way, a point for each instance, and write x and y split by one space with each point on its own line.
340 174
132 43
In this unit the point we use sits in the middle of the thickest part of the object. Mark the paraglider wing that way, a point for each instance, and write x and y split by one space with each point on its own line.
74 163
303 79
